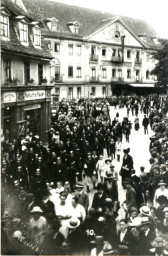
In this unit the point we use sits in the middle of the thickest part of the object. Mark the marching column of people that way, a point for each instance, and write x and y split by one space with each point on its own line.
46 191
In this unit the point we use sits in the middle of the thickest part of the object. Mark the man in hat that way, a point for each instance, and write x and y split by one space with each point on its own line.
76 237
45 204
99 199
146 236
111 190
82 195
161 191
130 195
37 225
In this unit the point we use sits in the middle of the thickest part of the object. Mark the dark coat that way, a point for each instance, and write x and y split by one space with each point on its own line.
145 242
99 202
111 193
127 241
83 199
131 198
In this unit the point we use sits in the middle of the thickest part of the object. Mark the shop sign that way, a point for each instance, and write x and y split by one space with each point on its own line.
31 95
30 107
9 97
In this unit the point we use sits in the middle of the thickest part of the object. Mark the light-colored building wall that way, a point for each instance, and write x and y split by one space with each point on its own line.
101 40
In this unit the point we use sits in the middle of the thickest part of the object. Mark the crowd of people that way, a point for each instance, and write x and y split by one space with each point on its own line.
63 198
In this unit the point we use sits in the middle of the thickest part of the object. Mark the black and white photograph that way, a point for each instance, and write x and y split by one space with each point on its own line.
84 127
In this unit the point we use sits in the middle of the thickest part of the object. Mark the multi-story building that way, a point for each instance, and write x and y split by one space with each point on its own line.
25 75
95 53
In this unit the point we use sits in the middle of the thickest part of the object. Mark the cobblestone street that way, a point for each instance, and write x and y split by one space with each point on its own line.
139 150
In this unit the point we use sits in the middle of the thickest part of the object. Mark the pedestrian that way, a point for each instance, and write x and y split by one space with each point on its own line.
127 165
37 226
130 195
118 147
136 123
145 124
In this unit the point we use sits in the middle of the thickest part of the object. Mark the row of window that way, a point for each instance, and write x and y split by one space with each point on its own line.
93 91
27 78
115 52
104 72
23 31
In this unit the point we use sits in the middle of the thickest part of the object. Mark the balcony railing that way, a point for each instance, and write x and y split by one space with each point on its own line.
93 57
94 79
138 61
117 59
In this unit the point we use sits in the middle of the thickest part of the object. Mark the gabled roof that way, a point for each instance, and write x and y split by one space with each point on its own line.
14 44
91 20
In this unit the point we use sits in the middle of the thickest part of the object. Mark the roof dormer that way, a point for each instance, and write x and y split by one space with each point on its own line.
74 26
4 23
35 33
52 24
21 26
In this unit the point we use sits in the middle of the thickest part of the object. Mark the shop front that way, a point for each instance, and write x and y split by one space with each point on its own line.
26 110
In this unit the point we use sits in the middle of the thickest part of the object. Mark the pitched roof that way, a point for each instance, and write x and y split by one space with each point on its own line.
14 43
90 20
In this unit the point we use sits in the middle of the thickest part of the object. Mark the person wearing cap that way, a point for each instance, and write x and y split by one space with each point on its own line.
37 225
146 236
82 195
161 191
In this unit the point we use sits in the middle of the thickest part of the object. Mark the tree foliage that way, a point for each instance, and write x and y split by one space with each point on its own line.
161 68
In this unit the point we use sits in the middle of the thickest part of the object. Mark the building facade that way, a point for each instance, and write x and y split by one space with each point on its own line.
25 75
95 53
